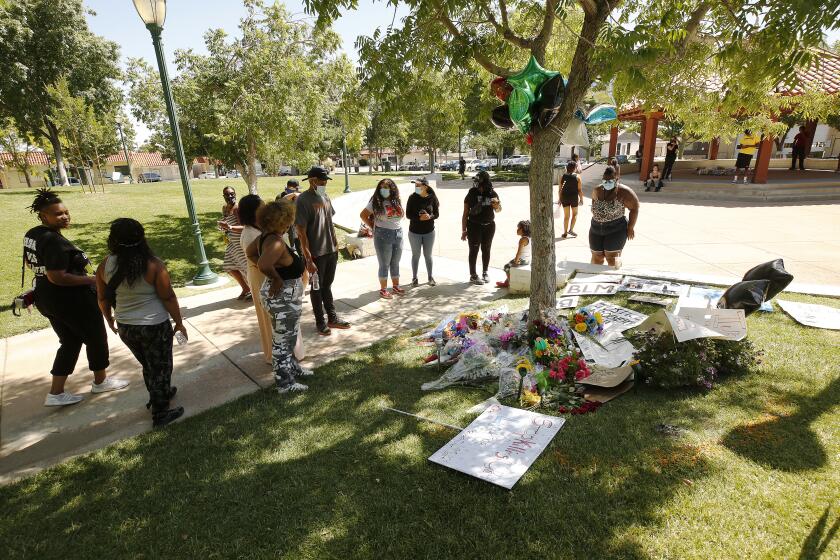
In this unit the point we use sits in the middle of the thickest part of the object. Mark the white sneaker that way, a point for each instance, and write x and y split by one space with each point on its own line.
62 399
293 388
745 180
735 179
110 384
306 372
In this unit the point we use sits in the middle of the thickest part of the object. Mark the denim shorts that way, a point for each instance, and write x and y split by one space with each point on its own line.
608 236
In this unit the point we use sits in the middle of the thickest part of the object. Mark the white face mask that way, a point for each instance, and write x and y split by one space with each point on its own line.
608 184
322 190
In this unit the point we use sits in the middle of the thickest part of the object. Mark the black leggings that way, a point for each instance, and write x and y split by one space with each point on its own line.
669 166
76 320
152 346
480 236
322 298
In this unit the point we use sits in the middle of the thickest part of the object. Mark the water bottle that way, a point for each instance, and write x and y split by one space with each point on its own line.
314 282
180 337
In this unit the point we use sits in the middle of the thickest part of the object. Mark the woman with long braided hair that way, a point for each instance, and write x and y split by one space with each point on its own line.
136 284
64 294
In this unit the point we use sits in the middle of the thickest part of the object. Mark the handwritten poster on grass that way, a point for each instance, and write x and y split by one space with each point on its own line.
499 445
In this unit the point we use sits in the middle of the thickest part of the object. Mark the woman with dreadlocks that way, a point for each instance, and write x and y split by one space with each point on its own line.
136 284
64 294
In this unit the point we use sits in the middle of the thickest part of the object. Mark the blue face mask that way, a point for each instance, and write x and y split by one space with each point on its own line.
418 190
385 193
608 184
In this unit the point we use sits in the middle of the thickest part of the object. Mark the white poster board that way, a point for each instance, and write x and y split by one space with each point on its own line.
812 315
602 289
617 318
683 329
701 298
731 323
499 445
652 286
567 302
590 278
611 350
642 298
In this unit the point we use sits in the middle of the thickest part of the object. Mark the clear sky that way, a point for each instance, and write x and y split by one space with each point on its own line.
187 20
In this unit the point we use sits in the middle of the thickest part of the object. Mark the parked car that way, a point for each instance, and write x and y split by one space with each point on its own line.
449 166
285 171
150 177
73 181
207 175
233 174
622 159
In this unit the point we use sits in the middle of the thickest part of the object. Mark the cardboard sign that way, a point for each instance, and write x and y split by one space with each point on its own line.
812 315
499 445
617 318
652 286
607 377
731 323
641 298
606 394
683 329
589 278
701 298
602 289
611 350
567 302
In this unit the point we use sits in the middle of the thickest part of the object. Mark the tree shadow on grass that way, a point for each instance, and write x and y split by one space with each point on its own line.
817 543
328 473
170 238
786 441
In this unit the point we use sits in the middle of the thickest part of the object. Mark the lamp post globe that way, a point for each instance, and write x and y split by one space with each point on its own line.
153 14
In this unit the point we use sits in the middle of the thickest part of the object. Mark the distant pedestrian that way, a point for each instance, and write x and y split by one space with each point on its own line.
292 187
422 209
478 223
570 196
610 229
136 283
576 160
248 207
462 168
234 262
746 150
384 214
523 251
672 149
281 292
65 295
315 230
654 179
800 143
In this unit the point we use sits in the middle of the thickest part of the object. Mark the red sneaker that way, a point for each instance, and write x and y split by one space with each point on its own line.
504 284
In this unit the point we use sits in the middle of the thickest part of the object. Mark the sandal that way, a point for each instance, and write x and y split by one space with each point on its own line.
573 234
384 294
564 236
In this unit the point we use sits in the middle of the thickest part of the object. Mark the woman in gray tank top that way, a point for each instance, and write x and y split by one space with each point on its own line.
136 285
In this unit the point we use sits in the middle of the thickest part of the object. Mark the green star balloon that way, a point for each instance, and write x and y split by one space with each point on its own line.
526 85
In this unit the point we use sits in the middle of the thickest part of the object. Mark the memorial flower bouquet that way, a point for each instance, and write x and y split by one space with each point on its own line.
585 321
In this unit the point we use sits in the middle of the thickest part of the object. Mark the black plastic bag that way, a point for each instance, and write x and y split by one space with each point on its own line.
744 295
775 272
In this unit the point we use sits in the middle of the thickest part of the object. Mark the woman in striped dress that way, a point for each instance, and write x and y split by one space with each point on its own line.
235 263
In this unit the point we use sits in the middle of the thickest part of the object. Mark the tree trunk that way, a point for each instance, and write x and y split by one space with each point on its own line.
543 268
27 175
55 141
250 175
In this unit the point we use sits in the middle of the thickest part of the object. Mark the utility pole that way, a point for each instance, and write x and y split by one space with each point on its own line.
346 163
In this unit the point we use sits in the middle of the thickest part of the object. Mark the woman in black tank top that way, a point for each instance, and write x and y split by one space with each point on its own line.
282 290
570 196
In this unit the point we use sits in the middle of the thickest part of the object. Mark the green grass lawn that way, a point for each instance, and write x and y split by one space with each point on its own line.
328 474
161 209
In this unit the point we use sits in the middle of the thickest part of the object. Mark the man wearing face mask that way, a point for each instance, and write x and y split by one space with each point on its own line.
610 229
314 226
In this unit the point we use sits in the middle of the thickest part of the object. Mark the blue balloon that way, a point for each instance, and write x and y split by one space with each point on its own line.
601 113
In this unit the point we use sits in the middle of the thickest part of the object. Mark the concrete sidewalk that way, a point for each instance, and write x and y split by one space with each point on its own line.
704 238
221 362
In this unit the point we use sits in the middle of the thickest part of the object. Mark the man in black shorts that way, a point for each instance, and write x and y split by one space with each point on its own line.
746 150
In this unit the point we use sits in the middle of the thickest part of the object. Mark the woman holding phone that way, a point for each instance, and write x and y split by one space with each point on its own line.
422 209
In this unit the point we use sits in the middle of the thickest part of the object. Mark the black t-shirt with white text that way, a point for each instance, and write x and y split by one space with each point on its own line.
480 207
45 249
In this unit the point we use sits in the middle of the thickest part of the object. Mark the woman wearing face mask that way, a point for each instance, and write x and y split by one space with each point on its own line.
610 229
383 215
65 294
235 262
478 225
422 209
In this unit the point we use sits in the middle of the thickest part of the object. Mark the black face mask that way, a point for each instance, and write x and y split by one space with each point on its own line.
230 197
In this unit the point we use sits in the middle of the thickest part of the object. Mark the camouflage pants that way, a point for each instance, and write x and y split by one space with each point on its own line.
284 310
152 346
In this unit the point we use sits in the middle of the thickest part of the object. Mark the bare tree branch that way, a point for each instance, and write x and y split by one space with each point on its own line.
504 28
479 57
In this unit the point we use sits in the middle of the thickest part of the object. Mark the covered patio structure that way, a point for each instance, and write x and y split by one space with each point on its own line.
824 73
